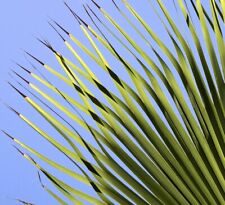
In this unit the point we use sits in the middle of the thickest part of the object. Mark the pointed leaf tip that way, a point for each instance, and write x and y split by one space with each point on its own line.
8 135
93 13
35 58
25 69
63 29
116 5
79 20
57 31
12 109
24 96
23 154
96 4
47 44
40 180
21 77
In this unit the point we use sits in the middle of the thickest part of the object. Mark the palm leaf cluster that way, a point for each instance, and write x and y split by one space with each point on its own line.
159 139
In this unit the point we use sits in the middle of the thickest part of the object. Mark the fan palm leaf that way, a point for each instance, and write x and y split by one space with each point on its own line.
160 138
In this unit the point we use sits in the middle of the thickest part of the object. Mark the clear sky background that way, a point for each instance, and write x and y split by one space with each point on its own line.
20 22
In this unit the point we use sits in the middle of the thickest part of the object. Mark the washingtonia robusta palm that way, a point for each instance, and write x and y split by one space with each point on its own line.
169 154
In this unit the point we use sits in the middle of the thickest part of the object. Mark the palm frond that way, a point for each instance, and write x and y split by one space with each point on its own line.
159 138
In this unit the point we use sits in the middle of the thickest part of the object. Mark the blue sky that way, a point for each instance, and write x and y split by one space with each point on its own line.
20 22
